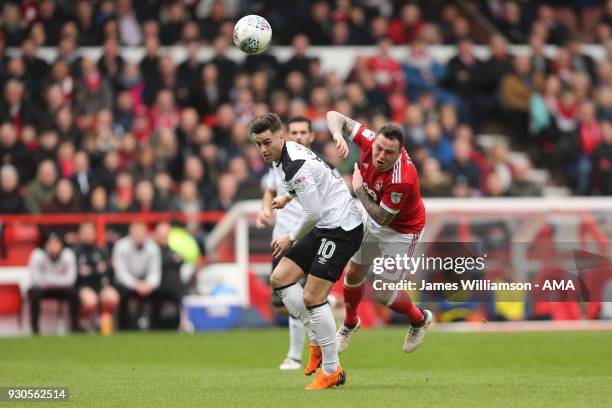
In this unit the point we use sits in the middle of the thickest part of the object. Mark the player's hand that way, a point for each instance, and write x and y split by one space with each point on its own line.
264 218
357 179
280 202
281 245
341 146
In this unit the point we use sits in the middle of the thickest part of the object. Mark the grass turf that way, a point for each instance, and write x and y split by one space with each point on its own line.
238 368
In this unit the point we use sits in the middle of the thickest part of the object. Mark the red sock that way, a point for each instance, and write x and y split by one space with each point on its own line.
352 297
403 305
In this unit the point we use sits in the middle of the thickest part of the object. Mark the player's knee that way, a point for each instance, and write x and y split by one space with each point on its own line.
275 280
312 299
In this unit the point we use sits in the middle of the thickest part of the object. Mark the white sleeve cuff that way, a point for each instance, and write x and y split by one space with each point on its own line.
387 209
355 129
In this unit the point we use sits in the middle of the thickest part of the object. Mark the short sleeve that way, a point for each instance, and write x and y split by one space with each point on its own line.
362 136
394 197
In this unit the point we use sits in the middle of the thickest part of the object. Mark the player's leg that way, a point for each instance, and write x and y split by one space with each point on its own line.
297 333
398 300
335 249
284 280
352 288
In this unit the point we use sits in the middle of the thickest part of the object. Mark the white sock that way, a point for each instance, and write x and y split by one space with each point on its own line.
296 339
293 299
324 328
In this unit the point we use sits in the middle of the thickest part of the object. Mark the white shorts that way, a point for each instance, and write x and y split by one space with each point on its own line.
384 242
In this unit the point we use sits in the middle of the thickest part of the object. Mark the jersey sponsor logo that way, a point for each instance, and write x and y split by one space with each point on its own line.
396 198
368 134
370 192
378 185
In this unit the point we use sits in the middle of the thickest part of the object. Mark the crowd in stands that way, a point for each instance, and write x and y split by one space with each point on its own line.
163 135
84 135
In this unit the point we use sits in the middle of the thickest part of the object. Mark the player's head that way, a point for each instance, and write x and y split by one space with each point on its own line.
267 132
387 147
299 130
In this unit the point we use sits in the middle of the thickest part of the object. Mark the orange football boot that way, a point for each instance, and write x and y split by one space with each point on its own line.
314 359
322 381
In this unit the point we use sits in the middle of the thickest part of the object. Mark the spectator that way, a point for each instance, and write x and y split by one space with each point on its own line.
14 110
41 191
318 26
602 160
299 61
463 169
130 33
438 145
93 92
521 185
516 90
171 288
11 201
13 151
137 261
386 69
434 182
406 28
93 283
53 272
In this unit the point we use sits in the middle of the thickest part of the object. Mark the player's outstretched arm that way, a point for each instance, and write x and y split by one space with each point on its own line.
341 127
378 214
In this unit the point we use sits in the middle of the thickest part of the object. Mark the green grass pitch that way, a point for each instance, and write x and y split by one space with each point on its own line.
238 368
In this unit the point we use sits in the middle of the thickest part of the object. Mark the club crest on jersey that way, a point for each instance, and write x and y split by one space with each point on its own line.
368 134
396 198
378 185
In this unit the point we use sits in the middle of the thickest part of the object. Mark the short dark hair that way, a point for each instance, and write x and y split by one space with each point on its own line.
267 121
393 132
299 119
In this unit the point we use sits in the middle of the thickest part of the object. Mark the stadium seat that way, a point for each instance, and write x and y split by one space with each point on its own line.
11 301
19 240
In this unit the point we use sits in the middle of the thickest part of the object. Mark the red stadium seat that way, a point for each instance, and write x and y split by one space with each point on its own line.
19 240
11 301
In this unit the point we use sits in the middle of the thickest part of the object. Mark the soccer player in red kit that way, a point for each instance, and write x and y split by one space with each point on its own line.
386 182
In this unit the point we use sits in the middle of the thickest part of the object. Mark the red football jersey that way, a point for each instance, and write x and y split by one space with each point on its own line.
397 190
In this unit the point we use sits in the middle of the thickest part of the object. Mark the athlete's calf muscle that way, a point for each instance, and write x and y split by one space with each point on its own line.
356 273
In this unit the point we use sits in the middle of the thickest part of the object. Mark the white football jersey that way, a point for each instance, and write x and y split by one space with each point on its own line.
325 200
289 216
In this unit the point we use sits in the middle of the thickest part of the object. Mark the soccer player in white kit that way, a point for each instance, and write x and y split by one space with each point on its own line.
319 245
298 130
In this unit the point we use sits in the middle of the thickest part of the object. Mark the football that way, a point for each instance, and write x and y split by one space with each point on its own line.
252 34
